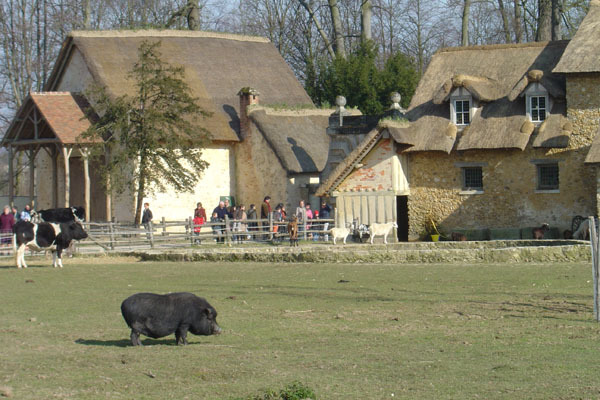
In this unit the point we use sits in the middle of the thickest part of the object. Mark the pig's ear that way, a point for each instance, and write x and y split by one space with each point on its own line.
208 312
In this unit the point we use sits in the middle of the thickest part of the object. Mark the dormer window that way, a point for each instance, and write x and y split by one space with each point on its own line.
537 107
461 107
538 103
462 112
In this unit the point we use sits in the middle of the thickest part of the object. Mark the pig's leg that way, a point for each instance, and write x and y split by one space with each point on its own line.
181 335
135 338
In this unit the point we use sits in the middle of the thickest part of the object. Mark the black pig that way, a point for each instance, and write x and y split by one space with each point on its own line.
157 315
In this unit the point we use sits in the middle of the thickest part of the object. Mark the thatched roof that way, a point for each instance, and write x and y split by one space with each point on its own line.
496 76
217 66
60 115
555 130
582 52
593 156
298 138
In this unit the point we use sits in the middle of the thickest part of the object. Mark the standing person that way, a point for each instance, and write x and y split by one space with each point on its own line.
217 227
230 209
220 210
26 213
265 211
252 217
199 220
241 217
309 217
7 220
147 219
324 213
15 213
301 215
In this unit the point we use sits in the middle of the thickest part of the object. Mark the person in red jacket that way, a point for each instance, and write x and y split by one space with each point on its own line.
7 220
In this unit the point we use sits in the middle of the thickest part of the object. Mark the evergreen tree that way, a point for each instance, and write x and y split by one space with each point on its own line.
158 128
363 84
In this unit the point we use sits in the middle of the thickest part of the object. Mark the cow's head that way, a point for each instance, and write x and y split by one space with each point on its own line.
73 231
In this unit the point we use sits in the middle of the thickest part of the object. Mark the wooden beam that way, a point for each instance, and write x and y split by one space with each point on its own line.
66 152
55 176
11 176
85 154
28 142
31 154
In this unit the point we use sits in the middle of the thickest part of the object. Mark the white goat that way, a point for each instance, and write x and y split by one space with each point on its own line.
583 232
381 229
339 233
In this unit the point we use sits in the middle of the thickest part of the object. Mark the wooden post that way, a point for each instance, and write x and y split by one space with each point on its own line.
304 229
594 244
11 176
111 230
227 231
150 234
66 154
31 154
189 230
271 226
163 222
85 153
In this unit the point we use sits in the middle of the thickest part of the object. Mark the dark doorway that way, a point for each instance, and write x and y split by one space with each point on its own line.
402 213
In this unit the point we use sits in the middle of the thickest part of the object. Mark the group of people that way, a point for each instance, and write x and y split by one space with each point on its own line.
244 225
8 218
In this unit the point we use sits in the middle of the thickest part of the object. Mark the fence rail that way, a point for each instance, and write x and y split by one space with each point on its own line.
114 236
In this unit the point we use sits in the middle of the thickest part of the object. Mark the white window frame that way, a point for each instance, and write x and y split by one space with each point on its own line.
530 109
537 90
461 94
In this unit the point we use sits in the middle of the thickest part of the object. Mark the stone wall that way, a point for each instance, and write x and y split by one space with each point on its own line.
509 198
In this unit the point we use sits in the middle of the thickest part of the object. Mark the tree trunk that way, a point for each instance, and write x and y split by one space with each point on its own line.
555 20
543 32
518 22
141 190
465 23
322 33
336 21
366 12
505 24
87 17
193 16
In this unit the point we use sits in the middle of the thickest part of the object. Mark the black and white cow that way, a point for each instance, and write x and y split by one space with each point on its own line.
45 236
60 215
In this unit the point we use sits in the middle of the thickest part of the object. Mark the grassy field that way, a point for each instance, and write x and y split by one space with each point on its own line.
346 331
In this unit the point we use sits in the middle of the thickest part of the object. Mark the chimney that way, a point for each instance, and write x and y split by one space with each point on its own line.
248 96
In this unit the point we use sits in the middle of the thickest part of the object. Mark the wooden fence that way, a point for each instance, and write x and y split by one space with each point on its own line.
114 236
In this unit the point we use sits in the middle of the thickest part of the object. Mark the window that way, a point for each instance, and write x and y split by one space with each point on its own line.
462 112
537 108
472 178
547 176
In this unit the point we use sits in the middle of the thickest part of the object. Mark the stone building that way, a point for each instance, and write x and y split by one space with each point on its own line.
253 153
494 143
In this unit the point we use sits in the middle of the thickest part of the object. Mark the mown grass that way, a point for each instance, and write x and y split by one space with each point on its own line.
345 331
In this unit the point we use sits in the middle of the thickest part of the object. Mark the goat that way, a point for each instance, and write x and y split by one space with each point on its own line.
292 228
339 233
538 233
458 237
583 232
381 229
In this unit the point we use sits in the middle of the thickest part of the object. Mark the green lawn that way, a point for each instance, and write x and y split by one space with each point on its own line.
374 331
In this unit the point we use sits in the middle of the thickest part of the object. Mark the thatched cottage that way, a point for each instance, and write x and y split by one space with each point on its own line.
255 151
495 142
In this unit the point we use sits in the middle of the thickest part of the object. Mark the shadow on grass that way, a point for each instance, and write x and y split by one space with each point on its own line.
127 342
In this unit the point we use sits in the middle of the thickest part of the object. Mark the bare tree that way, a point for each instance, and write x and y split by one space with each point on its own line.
544 28
465 23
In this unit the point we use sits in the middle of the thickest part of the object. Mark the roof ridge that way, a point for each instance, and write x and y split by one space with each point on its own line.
168 33
502 46
51 93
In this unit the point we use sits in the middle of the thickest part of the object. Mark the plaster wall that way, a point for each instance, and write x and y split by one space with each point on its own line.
76 77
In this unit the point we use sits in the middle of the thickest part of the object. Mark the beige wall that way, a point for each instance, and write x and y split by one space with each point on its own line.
217 180
76 77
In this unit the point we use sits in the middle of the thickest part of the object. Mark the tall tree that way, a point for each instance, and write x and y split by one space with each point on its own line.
465 23
544 26
158 127
338 34
366 13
